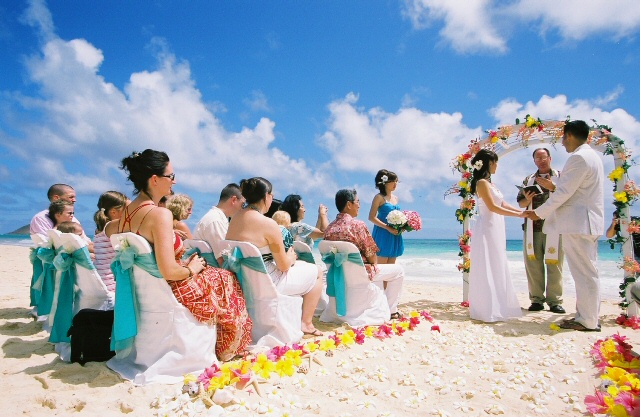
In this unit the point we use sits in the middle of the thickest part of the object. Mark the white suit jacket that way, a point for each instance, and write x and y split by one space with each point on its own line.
577 205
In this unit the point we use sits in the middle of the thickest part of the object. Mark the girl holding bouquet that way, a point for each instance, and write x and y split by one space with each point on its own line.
491 294
388 239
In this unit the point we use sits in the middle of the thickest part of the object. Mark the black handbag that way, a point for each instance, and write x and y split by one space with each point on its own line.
90 334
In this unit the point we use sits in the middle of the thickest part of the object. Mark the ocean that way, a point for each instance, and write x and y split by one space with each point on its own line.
433 261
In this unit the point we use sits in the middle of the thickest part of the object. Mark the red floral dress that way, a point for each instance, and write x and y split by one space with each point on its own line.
214 296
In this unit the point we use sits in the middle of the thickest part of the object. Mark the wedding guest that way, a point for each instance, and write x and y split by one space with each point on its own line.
42 222
491 294
576 211
284 221
349 229
542 251
70 227
213 226
60 211
181 205
291 277
111 204
301 231
388 239
213 295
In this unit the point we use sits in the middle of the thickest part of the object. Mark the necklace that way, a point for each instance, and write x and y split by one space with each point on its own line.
252 207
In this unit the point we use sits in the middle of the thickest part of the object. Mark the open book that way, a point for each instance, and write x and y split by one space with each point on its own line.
529 188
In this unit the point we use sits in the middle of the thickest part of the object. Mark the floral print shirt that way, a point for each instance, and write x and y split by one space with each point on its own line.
346 228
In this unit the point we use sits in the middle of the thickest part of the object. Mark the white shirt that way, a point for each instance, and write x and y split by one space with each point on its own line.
213 228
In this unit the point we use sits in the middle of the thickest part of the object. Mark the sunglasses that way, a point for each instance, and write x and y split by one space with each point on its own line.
170 176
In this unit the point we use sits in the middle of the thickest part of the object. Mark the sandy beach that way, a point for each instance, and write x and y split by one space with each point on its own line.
521 367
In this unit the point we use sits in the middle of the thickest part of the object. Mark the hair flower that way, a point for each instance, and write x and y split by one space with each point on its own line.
478 165
384 179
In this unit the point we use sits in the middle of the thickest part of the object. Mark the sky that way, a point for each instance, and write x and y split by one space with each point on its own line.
314 96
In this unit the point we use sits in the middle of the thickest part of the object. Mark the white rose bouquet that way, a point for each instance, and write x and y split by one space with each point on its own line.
404 220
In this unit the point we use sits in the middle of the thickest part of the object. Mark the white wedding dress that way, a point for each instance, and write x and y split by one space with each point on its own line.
491 294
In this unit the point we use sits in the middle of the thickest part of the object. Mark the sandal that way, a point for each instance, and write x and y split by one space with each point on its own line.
574 325
396 316
314 333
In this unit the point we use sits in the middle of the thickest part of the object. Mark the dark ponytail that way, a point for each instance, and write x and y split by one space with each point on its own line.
142 166
486 156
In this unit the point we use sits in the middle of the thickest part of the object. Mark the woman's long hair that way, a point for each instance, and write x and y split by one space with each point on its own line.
255 189
107 201
380 181
291 205
486 156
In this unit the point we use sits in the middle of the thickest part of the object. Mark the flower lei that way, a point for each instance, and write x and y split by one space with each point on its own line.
288 360
619 366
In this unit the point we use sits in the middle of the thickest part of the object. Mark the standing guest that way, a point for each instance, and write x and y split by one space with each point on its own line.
388 239
541 251
213 295
290 276
576 209
349 229
491 294
111 204
301 231
614 228
213 226
181 205
41 222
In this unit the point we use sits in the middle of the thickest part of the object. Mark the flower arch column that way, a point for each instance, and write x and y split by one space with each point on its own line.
511 138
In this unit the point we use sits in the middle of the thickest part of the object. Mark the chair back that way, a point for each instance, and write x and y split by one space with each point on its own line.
366 303
303 251
203 248
43 247
276 317
170 342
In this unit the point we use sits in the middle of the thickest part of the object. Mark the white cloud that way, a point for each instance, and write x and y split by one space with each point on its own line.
78 126
485 25
417 145
257 102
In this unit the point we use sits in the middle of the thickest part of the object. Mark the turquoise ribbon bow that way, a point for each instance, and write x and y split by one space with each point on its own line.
34 294
335 277
45 283
207 256
125 315
65 262
306 256
235 261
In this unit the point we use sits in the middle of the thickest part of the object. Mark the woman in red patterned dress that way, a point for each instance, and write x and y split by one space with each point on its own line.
213 295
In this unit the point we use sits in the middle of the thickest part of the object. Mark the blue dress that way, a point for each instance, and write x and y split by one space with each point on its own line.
390 246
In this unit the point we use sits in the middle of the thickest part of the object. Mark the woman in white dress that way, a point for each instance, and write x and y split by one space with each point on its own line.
491 294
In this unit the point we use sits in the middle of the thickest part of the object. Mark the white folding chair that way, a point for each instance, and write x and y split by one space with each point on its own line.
170 341
305 254
203 248
88 288
276 317
366 302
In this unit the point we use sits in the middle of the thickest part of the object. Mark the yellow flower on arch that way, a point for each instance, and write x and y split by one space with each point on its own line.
621 196
616 174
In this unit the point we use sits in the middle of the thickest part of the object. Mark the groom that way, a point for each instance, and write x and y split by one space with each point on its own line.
576 211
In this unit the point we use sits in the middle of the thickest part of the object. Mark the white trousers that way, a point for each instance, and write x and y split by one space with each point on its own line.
393 275
581 252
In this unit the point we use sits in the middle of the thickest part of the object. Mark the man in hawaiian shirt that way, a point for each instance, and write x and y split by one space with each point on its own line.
349 229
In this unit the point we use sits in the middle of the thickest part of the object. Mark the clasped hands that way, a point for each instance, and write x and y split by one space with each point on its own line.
530 214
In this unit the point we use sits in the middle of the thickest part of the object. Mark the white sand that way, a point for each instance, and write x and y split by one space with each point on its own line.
519 368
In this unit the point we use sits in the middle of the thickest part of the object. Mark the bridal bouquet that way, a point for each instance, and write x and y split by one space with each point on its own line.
405 220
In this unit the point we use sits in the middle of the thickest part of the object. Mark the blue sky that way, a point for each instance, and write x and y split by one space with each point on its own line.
314 96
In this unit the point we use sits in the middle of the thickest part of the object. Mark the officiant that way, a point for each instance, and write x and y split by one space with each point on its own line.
543 254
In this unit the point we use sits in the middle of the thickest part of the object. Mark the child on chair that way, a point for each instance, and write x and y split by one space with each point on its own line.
284 221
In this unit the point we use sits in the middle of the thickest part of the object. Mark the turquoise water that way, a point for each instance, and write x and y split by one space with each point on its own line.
434 261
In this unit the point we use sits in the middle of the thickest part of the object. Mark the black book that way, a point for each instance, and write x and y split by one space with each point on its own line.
530 188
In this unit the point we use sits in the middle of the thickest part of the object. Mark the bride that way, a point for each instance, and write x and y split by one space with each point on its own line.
491 294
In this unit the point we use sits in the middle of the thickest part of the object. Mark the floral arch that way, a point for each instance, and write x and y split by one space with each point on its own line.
510 138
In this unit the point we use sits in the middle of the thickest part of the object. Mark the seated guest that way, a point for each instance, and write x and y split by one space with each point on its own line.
180 206
349 229
70 227
290 277
213 226
111 204
301 231
213 295
42 222
284 221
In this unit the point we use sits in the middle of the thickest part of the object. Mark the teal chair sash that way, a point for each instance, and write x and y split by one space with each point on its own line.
306 256
125 315
235 261
44 286
207 256
34 295
66 262
335 277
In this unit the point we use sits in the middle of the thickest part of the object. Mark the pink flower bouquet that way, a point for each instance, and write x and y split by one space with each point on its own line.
405 220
